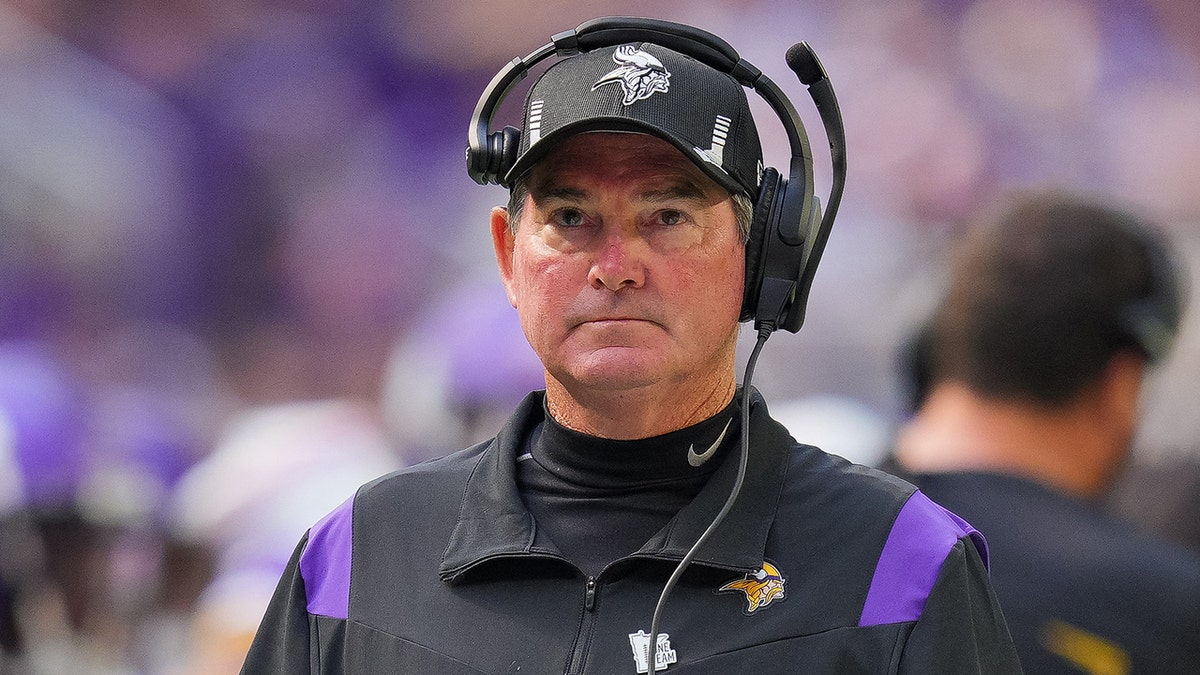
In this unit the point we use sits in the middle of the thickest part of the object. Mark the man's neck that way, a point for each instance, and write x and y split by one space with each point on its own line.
957 430
636 413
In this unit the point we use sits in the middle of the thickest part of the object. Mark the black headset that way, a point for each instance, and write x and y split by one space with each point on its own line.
1152 319
787 232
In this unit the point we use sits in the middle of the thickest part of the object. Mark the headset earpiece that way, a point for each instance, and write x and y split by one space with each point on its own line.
489 163
765 204
502 153
782 259
1153 319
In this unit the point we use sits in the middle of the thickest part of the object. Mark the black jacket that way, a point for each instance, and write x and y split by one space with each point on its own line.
820 567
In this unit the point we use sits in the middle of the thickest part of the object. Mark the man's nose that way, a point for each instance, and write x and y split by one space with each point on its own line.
620 262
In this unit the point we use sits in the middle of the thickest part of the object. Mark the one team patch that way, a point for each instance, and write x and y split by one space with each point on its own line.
663 654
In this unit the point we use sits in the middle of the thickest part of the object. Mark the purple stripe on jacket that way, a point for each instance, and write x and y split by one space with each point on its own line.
911 560
325 563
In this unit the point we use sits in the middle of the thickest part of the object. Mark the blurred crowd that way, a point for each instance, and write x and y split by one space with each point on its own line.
243 269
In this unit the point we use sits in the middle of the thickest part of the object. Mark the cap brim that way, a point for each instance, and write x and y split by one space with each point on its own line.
619 124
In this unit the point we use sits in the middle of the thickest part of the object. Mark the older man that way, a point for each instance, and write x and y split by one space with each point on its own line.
544 550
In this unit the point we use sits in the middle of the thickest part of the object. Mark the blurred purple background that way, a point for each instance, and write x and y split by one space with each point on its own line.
243 269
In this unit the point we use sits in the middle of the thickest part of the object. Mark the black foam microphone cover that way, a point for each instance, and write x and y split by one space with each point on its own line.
803 61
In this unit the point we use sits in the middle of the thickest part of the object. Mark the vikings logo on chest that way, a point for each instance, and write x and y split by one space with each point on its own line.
639 73
761 588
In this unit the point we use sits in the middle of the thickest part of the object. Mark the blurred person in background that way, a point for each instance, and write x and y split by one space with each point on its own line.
276 469
632 248
92 578
450 384
1026 383
51 554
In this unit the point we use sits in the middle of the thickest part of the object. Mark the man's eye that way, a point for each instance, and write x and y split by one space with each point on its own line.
671 217
568 218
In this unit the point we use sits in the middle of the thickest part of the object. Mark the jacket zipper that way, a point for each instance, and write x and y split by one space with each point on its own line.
584 638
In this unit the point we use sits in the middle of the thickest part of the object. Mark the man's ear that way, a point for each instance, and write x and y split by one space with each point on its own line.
503 242
1122 381
1118 395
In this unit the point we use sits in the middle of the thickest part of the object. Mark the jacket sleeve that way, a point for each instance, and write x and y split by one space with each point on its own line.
962 628
282 643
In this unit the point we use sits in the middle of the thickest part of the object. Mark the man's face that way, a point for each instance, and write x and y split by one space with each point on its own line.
626 267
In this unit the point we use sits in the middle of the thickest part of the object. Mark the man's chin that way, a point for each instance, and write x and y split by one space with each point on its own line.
616 369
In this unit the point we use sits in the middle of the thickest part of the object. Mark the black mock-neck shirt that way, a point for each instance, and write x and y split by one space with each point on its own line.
599 499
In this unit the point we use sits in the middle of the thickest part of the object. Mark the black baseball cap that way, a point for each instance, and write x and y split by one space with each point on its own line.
646 88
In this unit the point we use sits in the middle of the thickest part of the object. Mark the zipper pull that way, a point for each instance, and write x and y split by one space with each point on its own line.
589 597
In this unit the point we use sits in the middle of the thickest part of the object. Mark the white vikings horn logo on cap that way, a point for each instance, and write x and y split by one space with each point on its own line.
639 74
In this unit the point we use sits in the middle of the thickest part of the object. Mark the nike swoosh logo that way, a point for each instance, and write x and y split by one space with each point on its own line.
698 458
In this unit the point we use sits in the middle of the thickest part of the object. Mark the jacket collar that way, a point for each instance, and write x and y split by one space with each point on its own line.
493 521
